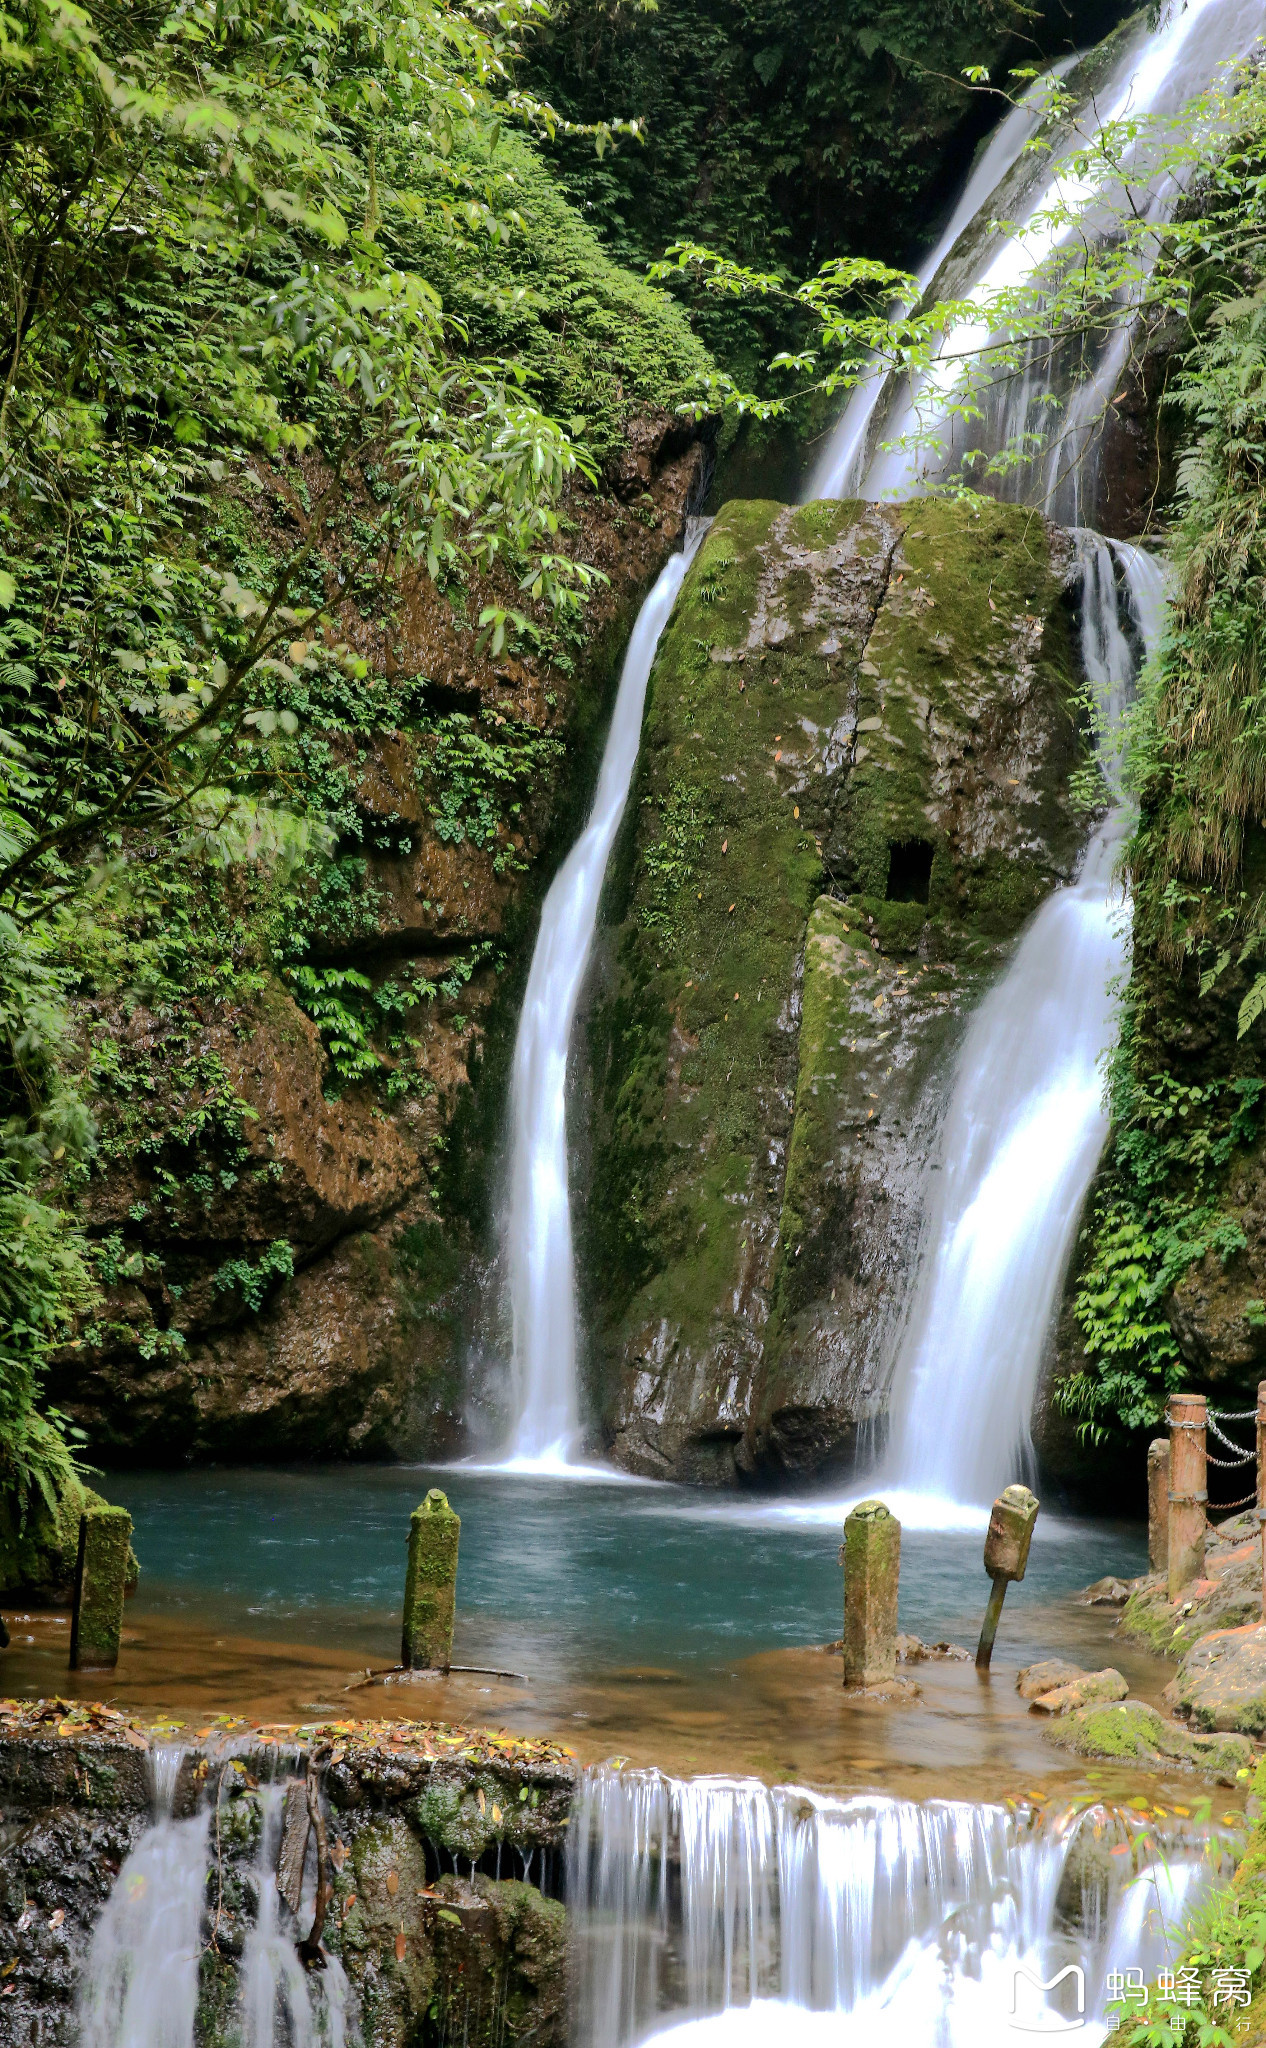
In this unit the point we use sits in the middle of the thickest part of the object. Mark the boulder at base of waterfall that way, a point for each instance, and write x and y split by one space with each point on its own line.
1221 1682
1136 1734
1085 1691
1106 1593
853 793
1036 1679
1228 1596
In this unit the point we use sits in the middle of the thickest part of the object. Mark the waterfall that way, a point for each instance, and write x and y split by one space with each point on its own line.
1025 1125
140 1982
1152 80
724 1912
545 1392
283 2004
837 473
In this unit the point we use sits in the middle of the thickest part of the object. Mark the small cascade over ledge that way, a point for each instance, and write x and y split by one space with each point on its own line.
718 1911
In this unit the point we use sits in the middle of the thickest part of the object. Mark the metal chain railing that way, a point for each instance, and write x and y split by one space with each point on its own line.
1213 1417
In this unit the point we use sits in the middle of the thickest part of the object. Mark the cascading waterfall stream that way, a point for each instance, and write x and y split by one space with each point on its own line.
284 2005
1157 74
1025 1124
140 1982
838 471
723 1912
545 1392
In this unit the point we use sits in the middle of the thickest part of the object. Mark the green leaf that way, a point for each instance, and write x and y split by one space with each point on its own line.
1252 1006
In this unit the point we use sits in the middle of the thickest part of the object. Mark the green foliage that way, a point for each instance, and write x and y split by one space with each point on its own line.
777 134
252 1282
289 313
477 780
1194 759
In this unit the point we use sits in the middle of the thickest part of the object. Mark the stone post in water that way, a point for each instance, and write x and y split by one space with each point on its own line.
105 1544
1188 1475
871 1556
1158 1504
1007 1541
430 1585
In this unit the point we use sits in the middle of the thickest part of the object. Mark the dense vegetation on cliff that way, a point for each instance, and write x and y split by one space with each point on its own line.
783 134
1171 1292
294 325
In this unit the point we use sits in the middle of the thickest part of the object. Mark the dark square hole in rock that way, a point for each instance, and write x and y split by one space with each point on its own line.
909 870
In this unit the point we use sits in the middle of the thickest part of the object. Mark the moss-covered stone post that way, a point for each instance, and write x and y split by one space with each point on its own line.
1007 1541
101 1567
871 1556
1188 1479
1158 1504
430 1585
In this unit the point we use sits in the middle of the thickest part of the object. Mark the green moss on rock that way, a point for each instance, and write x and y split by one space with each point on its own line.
38 1550
1133 1733
853 790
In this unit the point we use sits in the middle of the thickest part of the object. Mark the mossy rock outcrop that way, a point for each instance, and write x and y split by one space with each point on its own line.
853 791
1131 1733
38 1550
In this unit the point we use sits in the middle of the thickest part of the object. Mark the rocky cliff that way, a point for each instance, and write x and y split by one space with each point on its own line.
854 789
290 1195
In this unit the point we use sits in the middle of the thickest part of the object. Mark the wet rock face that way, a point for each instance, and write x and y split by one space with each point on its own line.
446 1872
1221 1682
852 793
311 1294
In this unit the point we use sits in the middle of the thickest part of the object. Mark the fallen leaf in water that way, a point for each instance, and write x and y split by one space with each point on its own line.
58 1917
400 1944
9 1968
447 1913
725 846
778 755
393 1882
482 1803
796 812
338 1855
496 1816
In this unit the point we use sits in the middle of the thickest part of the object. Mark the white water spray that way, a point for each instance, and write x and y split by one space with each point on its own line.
838 471
1025 1126
283 2004
140 1983
1154 79
545 1392
797 1918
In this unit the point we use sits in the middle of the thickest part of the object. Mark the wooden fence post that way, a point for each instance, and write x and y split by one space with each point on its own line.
1188 1489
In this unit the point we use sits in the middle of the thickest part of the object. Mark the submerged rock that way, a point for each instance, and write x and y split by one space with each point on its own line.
1133 1733
853 791
1107 1592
